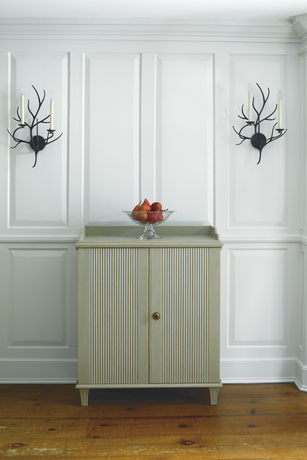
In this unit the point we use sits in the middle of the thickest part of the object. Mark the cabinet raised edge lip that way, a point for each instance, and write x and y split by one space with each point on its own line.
103 237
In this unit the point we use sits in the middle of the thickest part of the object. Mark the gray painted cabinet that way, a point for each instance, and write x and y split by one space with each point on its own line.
148 310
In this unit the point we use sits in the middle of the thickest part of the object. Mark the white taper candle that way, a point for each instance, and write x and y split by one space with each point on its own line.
250 95
22 105
51 109
279 96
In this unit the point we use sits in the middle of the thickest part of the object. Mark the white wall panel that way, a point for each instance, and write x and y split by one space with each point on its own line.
303 159
257 297
38 196
38 297
149 171
111 141
259 312
184 152
257 193
38 314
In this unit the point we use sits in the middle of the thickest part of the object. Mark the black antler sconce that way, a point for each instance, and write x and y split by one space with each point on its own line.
258 139
36 142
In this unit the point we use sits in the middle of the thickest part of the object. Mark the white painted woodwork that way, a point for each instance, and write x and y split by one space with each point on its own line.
184 140
258 318
256 200
122 285
302 312
38 297
38 309
29 194
146 110
112 104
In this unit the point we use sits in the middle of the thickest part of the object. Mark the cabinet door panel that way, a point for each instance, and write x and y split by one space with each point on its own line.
179 339
118 316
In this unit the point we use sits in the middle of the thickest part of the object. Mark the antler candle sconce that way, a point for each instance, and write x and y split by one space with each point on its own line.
258 140
36 142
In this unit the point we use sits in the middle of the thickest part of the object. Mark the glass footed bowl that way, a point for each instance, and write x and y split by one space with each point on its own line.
149 231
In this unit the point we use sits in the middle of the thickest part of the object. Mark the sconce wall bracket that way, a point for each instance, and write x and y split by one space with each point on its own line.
258 141
37 143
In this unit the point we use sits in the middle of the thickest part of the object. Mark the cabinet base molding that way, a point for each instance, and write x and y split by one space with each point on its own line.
85 388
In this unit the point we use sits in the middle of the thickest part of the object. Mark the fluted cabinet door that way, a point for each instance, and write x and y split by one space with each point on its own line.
182 338
115 329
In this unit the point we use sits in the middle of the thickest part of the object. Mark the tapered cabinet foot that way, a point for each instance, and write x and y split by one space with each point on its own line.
213 395
84 396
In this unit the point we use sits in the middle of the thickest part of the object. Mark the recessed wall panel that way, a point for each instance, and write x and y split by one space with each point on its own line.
38 297
38 196
111 143
257 297
184 165
257 192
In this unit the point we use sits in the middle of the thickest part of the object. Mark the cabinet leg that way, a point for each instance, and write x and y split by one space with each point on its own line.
213 395
84 396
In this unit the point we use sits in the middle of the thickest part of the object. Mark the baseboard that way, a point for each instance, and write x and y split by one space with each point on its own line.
39 371
260 380
299 386
232 371
32 381
259 370
301 376
265 371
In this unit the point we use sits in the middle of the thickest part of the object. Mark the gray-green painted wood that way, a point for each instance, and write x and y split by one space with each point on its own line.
123 281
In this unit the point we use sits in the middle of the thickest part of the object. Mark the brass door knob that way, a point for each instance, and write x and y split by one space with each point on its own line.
156 315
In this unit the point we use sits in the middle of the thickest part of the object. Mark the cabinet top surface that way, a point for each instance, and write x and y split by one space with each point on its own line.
119 236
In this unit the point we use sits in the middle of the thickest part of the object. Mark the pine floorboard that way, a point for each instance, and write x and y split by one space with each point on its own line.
252 421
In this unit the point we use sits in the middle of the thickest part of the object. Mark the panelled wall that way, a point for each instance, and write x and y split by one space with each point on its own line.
302 336
148 112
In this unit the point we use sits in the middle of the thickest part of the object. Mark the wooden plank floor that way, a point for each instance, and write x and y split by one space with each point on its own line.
265 421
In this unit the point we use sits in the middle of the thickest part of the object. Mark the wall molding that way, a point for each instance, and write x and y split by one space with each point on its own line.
72 238
303 51
260 239
114 29
226 239
303 239
232 371
300 26
31 370
301 376
264 371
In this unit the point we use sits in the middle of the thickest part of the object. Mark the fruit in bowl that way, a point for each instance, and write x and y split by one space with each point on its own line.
149 215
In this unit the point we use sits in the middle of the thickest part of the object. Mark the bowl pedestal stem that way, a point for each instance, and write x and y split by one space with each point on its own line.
149 233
